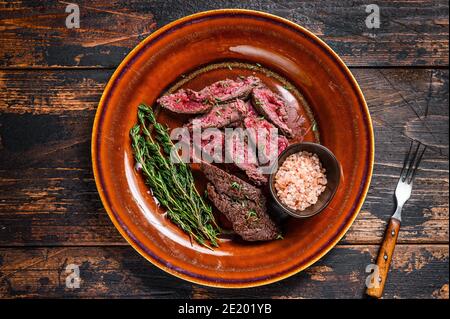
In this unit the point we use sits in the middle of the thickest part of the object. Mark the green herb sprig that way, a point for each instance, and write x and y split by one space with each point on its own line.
171 181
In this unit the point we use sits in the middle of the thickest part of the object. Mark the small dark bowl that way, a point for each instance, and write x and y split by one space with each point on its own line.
333 173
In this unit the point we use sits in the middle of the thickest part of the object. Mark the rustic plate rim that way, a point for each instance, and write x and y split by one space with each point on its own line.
331 244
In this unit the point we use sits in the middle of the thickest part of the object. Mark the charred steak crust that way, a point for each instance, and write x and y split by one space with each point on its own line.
249 220
272 107
243 204
253 173
229 184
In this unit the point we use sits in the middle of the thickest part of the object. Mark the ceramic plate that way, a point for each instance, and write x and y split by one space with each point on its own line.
198 50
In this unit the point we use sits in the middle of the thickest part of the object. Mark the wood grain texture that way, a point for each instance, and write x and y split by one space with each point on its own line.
384 259
48 194
418 271
397 98
34 32
51 79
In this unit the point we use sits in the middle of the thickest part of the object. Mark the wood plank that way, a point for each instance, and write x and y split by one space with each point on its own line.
48 195
34 33
418 271
396 99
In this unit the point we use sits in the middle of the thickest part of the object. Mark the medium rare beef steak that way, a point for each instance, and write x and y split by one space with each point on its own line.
243 204
185 102
260 132
272 107
227 90
222 115
208 146
211 147
244 155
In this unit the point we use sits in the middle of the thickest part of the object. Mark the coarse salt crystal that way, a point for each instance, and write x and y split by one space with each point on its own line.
300 180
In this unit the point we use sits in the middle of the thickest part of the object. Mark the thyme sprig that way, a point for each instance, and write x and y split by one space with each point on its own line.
171 181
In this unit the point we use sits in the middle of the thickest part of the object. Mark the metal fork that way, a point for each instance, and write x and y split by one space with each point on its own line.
402 194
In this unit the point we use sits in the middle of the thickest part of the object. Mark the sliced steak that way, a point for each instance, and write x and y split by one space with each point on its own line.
185 102
222 115
253 172
259 123
229 184
244 155
227 90
211 147
272 107
243 204
260 132
192 102
249 220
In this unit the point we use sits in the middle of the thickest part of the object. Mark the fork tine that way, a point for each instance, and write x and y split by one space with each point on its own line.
405 162
416 165
411 161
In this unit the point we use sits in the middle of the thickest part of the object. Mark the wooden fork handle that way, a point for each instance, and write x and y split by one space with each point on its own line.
384 258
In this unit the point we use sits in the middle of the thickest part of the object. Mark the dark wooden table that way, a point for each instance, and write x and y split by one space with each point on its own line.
51 79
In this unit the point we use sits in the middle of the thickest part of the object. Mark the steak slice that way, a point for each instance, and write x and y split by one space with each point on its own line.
241 159
272 107
253 172
227 90
249 220
243 204
229 184
185 102
260 132
243 154
211 147
222 115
